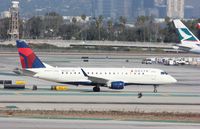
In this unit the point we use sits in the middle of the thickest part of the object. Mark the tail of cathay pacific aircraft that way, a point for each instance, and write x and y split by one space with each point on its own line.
189 42
27 56
183 32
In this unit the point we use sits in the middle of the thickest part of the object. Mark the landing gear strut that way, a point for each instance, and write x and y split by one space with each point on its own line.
96 89
155 88
140 95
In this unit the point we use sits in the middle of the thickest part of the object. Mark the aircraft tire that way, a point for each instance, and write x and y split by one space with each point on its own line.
34 87
96 89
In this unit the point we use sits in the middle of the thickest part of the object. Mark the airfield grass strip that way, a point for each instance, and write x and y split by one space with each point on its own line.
104 115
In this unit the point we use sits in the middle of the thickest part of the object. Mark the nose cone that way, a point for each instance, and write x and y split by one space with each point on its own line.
172 79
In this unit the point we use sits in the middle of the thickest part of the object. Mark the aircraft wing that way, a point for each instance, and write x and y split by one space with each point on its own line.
95 79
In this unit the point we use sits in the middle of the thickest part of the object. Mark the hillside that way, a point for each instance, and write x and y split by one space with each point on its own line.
39 7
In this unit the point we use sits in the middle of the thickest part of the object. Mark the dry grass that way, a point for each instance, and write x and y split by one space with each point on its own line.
116 115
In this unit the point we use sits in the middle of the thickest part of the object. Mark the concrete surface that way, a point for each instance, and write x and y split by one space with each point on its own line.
180 97
20 123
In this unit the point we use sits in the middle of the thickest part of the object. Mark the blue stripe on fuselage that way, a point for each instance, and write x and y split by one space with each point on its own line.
95 84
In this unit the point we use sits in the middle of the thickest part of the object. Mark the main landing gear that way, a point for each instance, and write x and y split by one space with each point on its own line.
96 89
155 88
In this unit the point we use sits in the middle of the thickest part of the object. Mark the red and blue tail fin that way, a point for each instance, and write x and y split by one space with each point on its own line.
27 56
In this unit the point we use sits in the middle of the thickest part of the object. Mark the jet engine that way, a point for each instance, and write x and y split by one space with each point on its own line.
118 85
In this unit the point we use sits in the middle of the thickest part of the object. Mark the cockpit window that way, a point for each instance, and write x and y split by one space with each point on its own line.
164 73
198 45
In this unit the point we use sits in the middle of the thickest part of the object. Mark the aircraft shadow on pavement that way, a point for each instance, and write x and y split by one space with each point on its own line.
102 91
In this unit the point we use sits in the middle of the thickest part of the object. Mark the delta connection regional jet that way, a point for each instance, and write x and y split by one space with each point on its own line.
113 78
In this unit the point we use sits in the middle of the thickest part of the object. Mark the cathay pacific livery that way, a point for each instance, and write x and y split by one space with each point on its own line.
189 42
113 78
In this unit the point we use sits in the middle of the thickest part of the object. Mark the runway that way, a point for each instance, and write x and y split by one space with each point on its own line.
20 123
180 97
83 99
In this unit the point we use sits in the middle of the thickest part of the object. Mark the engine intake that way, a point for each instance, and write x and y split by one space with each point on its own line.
117 85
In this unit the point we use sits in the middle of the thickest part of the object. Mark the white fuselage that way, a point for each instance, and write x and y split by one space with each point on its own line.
190 46
142 76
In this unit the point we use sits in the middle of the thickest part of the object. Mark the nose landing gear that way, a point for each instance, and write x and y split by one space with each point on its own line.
140 95
155 88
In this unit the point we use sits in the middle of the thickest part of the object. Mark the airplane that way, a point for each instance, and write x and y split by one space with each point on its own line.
113 78
189 42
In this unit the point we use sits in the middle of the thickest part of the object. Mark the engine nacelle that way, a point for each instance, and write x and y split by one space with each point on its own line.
117 85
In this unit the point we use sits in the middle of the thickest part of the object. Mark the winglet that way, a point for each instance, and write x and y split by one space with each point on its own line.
84 73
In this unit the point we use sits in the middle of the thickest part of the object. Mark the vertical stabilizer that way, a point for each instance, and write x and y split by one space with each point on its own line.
27 56
184 33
